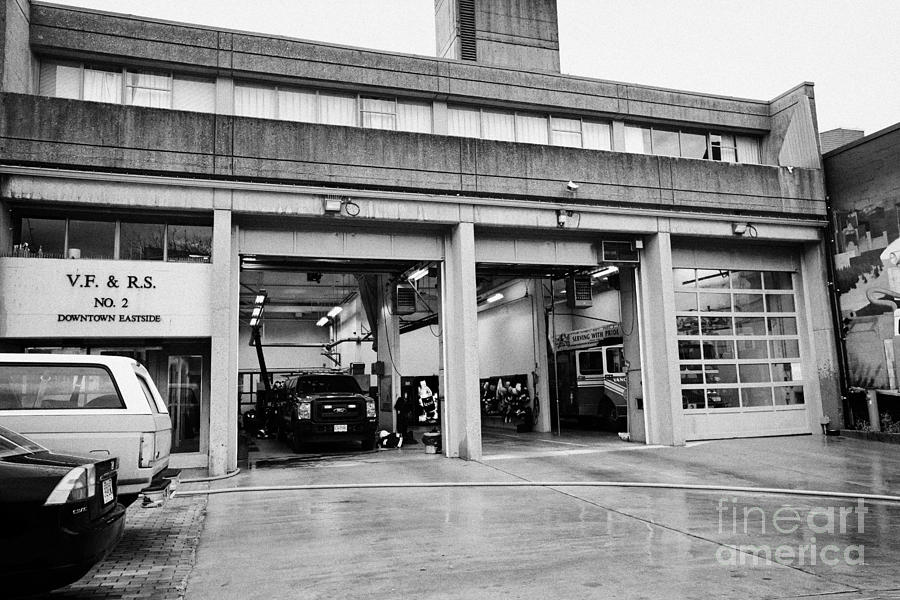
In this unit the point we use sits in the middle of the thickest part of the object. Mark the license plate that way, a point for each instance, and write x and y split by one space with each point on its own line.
108 491
340 429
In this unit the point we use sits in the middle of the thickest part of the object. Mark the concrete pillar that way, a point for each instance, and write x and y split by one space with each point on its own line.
820 377
17 63
662 397
6 230
224 96
224 342
618 136
631 348
389 354
439 117
542 362
462 426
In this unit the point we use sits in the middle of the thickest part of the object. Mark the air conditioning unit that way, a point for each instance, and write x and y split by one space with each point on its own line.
404 300
618 252
578 291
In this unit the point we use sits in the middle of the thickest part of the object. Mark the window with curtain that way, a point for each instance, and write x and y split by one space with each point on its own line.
148 89
378 113
194 94
637 139
596 136
414 116
531 129
565 132
498 125
723 147
693 145
101 85
255 101
297 105
664 142
464 122
60 80
337 109
747 149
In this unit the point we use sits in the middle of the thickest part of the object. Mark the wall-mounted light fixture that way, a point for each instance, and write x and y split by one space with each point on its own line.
572 187
334 312
322 322
494 297
333 204
739 228
562 216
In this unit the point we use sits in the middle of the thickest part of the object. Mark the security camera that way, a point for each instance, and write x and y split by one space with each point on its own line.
572 186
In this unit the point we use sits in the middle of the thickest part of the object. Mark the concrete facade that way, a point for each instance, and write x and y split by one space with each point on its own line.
261 184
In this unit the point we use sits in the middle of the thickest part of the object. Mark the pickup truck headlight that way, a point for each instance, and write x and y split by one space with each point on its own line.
370 409
304 410
79 484
148 450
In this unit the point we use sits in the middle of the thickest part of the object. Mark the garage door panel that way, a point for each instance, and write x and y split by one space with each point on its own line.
720 425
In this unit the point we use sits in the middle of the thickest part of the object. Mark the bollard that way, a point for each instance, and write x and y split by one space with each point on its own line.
872 402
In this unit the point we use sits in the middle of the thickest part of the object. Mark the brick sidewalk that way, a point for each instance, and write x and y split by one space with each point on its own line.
153 559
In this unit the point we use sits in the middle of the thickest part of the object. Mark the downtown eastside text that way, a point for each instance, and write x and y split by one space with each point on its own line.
108 318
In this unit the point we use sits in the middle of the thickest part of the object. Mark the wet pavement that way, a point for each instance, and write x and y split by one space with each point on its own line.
524 542
563 541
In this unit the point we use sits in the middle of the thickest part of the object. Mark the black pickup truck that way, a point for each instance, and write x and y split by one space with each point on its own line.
319 407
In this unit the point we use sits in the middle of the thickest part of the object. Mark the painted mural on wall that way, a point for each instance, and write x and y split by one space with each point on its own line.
868 283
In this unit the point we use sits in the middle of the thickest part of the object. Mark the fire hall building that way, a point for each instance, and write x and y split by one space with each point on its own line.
476 217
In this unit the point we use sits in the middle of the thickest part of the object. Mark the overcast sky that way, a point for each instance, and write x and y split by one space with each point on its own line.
750 49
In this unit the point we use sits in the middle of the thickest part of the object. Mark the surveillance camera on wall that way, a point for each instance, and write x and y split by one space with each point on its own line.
572 186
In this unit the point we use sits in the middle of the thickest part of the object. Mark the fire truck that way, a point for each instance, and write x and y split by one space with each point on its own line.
591 377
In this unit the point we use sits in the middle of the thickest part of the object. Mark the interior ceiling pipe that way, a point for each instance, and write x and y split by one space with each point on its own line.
357 340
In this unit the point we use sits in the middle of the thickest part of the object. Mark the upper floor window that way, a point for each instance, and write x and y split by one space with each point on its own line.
530 128
132 239
723 147
126 86
331 108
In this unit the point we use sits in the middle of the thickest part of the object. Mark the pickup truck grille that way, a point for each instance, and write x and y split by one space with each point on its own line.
340 411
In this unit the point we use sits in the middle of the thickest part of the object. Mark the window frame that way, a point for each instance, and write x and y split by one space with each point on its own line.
701 365
118 220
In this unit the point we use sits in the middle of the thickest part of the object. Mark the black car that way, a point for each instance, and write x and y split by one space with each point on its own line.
58 515
321 407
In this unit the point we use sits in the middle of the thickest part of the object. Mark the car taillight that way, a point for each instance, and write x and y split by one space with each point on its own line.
79 484
370 409
304 410
148 450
